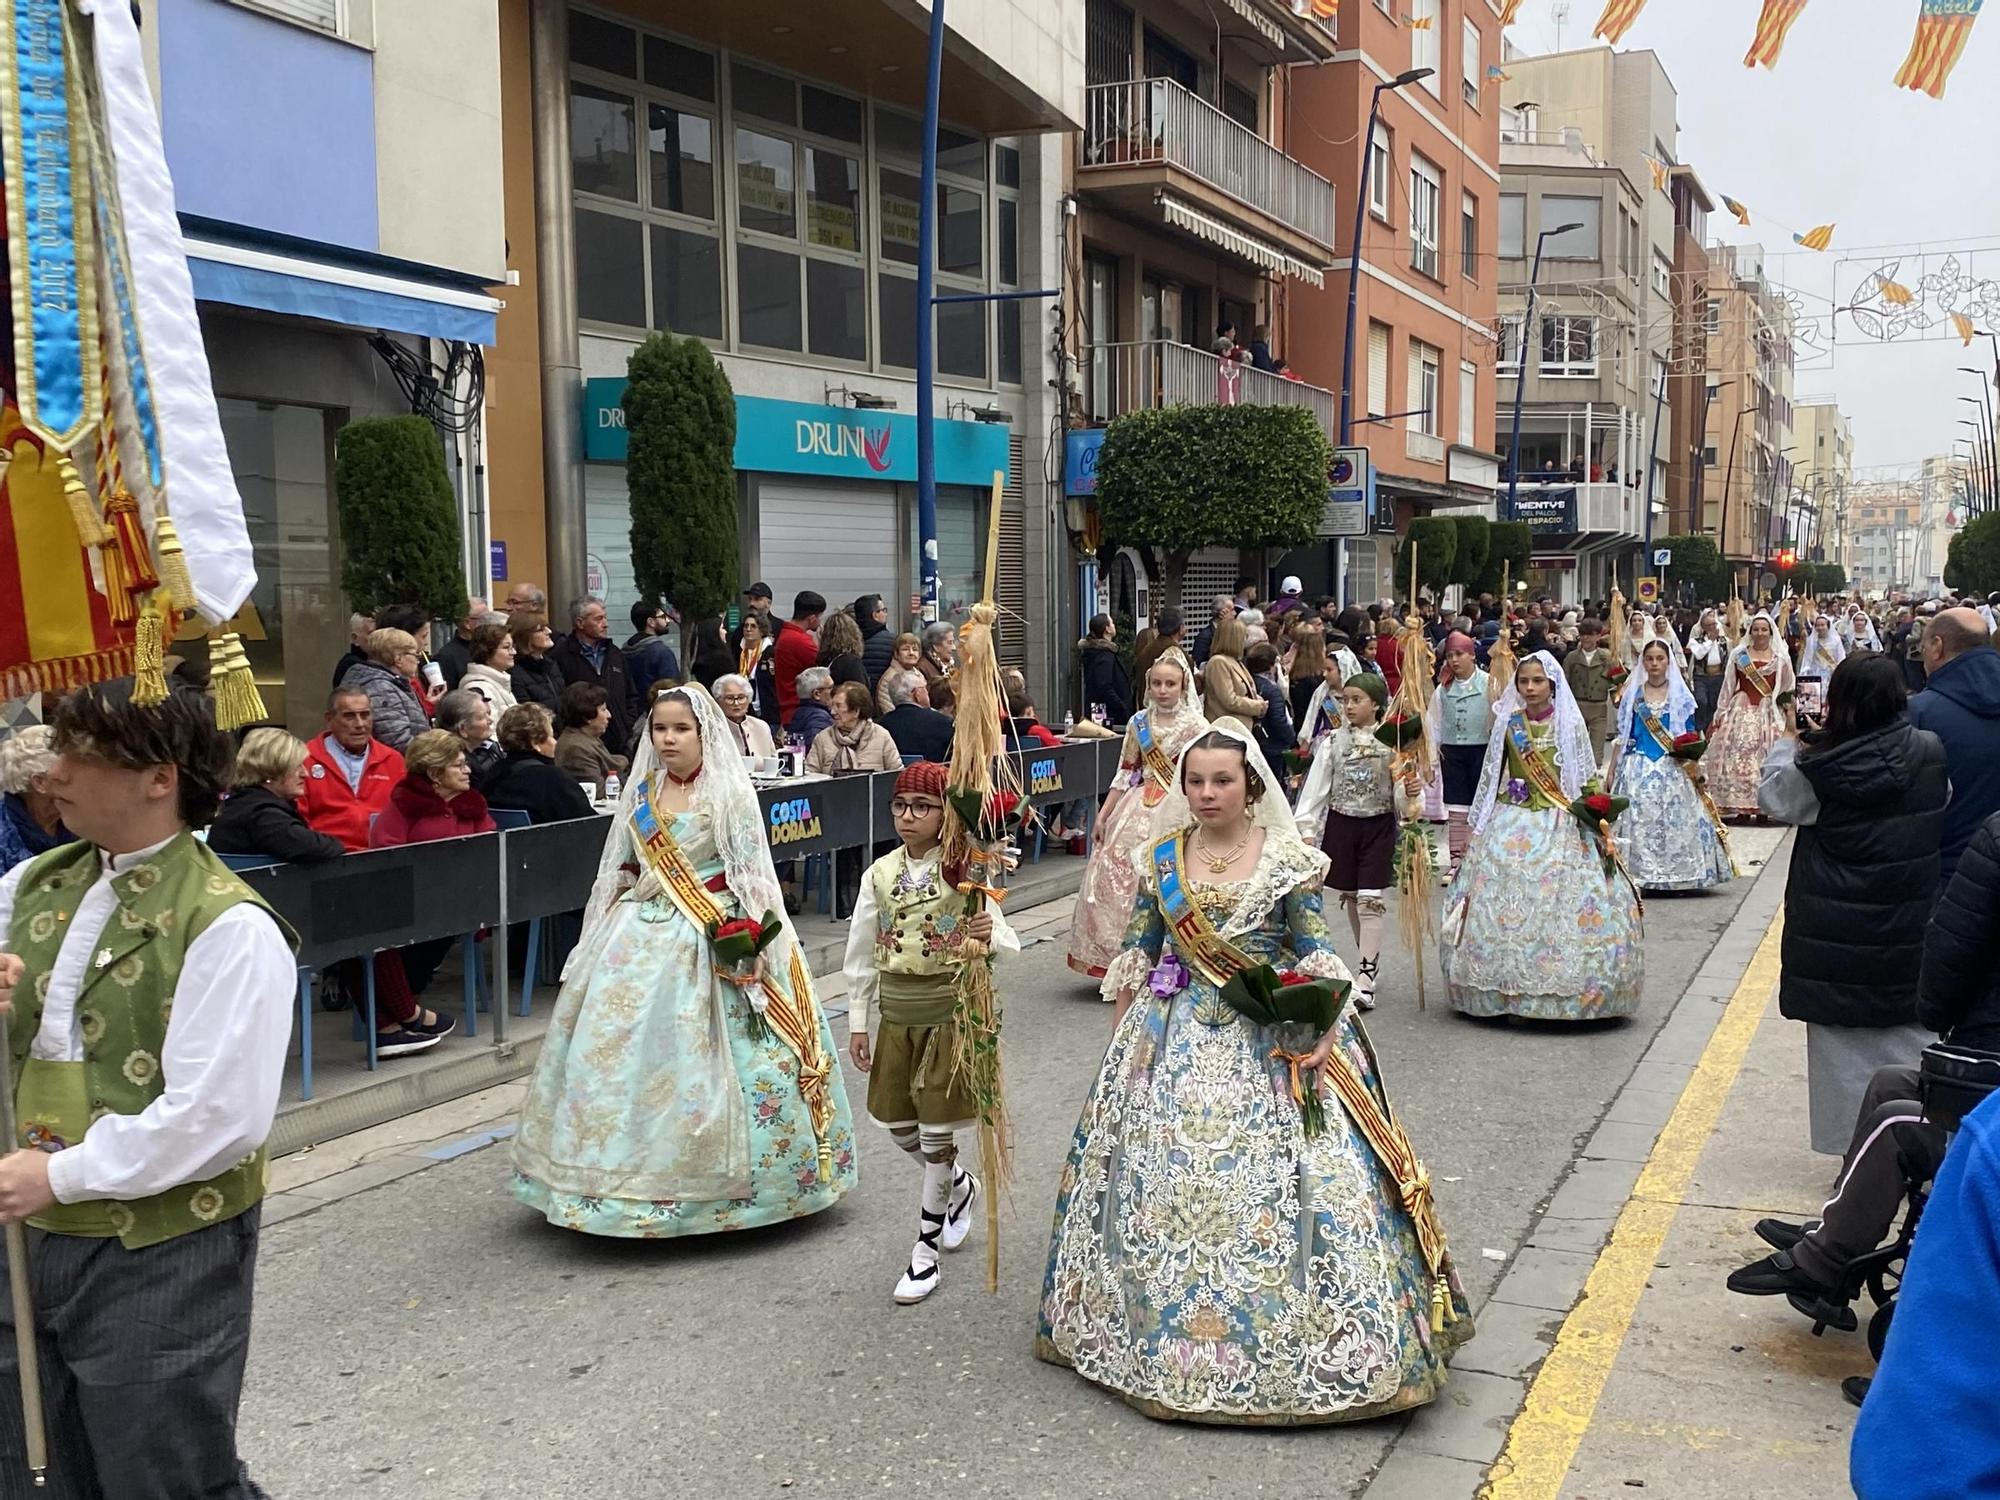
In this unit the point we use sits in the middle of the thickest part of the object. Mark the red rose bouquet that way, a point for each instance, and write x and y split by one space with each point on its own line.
1596 809
1690 746
736 945
992 820
1616 673
1400 730
1271 997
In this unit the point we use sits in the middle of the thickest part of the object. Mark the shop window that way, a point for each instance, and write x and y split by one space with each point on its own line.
961 231
896 307
900 196
961 339
837 309
677 69
765 190
604 45
832 115
833 200
602 157
764 96
681 150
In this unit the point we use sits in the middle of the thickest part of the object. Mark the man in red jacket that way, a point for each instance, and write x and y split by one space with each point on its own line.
796 648
349 773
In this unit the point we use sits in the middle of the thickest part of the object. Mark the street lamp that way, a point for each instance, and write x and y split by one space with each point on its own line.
1521 371
1354 269
1728 480
1978 444
1986 406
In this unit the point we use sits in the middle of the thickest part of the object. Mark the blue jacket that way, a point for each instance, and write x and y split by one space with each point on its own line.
1961 706
810 719
1927 1430
21 837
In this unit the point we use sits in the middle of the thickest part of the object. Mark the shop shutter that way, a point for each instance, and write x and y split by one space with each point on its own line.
1378 370
1210 571
1010 579
321 15
607 539
838 540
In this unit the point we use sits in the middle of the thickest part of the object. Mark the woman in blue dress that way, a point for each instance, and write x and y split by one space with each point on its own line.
1670 835
1534 925
673 1097
1210 1261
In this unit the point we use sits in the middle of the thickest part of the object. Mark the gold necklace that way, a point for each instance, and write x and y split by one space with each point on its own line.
1218 864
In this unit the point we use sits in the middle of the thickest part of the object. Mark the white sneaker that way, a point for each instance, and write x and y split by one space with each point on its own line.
958 1218
921 1279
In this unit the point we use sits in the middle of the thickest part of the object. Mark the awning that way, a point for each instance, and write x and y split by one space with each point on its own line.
1248 246
303 288
1264 25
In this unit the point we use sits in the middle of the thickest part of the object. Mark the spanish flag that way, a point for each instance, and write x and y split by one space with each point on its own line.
1326 10
1817 238
1742 213
1771 28
1617 19
1942 29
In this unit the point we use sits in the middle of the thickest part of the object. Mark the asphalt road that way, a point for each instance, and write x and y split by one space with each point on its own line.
430 1338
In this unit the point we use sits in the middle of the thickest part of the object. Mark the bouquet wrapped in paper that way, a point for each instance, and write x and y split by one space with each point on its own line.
736 945
1285 997
1691 746
1596 809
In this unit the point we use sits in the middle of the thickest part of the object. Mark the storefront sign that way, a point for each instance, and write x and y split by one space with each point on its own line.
497 561
1080 450
1044 777
835 442
793 821
1548 512
596 580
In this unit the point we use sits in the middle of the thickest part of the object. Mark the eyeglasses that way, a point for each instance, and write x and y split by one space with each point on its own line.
903 808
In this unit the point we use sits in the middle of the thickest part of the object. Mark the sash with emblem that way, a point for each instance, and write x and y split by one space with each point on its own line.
1159 769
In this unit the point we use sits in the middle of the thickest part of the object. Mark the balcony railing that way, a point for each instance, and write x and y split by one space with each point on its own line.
1121 378
1423 447
1155 120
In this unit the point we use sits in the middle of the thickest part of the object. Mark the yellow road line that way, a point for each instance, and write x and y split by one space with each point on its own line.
1543 1441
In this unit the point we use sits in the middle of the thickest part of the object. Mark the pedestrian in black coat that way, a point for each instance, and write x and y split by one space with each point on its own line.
527 777
587 655
878 641
1959 994
1105 680
261 813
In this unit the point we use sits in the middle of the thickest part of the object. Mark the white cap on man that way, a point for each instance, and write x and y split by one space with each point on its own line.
1291 587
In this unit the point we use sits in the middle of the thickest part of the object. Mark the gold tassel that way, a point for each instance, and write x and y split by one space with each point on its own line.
1439 1303
149 661
237 701
90 530
172 560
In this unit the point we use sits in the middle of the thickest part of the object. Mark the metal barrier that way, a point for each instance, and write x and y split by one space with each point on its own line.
363 903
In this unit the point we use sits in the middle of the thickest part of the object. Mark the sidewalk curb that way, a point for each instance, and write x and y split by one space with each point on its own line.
1444 1451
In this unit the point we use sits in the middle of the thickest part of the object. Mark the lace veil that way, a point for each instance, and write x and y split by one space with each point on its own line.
1680 698
1576 759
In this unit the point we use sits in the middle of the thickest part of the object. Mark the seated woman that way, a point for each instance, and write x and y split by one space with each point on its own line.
29 821
386 678
528 779
466 714
854 742
580 749
751 734
490 670
260 816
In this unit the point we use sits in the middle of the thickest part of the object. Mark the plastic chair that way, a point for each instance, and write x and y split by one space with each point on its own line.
912 760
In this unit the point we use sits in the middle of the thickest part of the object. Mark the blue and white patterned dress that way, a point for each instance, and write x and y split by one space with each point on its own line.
653 1111
1209 1262
1669 841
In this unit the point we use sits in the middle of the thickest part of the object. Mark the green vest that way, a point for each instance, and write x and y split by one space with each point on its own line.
164 904
917 938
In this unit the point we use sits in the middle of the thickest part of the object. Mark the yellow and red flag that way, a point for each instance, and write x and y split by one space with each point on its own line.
1896 294
1962 325
1659 169
1326 10
1817 238
1508 10
1617 19
1772 25
1417 23
1942 29
1742 213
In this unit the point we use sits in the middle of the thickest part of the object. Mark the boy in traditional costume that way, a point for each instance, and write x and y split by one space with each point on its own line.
150 999
904 946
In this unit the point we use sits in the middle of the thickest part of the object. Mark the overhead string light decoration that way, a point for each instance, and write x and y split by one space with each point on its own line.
1885 307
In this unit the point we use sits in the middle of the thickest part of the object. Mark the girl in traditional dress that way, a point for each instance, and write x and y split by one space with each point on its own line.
1212 1262
1858 631
1822 650
1460 723
1154 739
1749 719
673 1097
1534 925
1671 837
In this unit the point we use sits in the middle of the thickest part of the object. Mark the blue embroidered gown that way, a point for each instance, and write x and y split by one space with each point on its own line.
1209 1262
653 1111
1532 925
1669 841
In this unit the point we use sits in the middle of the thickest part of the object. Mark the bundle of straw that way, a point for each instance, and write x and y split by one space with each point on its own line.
977 749
1733 618
1618 626
1413 764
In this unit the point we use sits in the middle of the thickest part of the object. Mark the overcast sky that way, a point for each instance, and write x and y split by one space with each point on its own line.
1828 137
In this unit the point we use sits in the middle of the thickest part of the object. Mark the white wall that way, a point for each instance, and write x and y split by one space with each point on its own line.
1032 45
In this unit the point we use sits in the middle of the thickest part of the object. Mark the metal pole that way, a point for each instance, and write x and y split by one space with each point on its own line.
927 537
555 256
1728 480
1354 274
1521 378
1652 462
26 1351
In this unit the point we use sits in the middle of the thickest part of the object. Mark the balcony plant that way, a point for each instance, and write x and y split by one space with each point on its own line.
398 517
1177 479
680 421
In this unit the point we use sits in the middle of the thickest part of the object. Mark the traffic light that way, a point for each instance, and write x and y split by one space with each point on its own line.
1787 559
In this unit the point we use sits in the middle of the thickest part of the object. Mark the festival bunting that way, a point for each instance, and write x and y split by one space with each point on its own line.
1617 19
1417 23
1508 10
1659 169
1742 213
1942 29
1326 10
1963 326
1772 25
1816 238
1896 294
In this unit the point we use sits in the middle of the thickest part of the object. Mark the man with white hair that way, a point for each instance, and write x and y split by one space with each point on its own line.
916 727
359 628
586 654
1225 609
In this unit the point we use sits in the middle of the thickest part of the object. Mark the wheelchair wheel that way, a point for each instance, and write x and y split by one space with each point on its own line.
1878 1329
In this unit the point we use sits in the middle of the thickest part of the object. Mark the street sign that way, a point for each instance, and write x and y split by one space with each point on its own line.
1350 494
497 564
1663 557
1649 590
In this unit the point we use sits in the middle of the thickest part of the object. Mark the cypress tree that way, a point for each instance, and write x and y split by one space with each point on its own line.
680 422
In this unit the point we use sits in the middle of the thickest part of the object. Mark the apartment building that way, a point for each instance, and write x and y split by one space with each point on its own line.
1193 214
1426 276
749 174
1582 417
1822 471
1687 365
1747 455
1885 544
340 195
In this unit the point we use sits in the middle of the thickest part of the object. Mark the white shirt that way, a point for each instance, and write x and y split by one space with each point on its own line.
864 980
222 1063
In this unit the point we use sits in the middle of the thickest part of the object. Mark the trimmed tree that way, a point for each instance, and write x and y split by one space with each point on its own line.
1180 478
1475 540
1507 543
1697 562
398 518
1435 539
680 423
1972 562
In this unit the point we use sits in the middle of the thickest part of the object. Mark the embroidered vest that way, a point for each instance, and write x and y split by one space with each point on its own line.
164 904
916 917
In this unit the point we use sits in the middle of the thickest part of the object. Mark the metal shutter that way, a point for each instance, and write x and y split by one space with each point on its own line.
835 539
1010 579
1378 370
607 538
1210 571
321 15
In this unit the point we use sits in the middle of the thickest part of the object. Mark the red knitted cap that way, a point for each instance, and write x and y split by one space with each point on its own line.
926 777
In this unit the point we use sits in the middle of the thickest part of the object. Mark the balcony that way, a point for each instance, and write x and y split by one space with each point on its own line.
1423 447
1155 151
1570 510
1121 378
